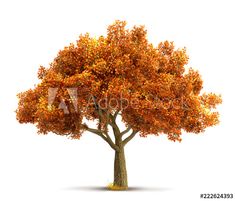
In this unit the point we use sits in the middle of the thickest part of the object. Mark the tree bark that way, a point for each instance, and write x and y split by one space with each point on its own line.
120 173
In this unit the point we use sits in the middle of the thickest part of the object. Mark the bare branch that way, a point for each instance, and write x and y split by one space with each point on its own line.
98 109
113 124
126 130
105 137
130 137
111 119
109 140
116 114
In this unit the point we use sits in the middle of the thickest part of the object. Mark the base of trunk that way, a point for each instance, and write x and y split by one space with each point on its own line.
116 188
120 173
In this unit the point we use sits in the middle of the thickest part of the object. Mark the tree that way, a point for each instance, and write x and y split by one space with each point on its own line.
119 74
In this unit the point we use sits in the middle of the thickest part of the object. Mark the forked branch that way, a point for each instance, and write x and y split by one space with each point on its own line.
104 136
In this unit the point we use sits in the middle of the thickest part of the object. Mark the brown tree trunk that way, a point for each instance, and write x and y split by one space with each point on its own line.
120 173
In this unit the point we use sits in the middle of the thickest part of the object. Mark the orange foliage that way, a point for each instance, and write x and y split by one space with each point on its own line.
149 86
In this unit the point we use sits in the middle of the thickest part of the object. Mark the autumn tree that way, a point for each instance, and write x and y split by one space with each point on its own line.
121 74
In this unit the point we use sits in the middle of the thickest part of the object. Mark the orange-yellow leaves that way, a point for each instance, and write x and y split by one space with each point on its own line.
122 71
170 60
25 112
41 72
166 48
210 100
138 34
194 80
116 32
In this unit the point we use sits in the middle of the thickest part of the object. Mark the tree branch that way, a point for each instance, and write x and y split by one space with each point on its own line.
126 130
110 119
113 124
105 137
111 143
130 137
98 109
116 114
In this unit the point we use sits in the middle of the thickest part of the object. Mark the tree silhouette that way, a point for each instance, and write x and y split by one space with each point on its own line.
119 74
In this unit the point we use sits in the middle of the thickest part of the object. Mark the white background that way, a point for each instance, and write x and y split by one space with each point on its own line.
35 167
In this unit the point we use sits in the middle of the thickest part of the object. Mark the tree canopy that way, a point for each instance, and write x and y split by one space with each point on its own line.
98 78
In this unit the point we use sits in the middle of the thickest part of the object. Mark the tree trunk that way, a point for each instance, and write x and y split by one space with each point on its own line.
120 173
